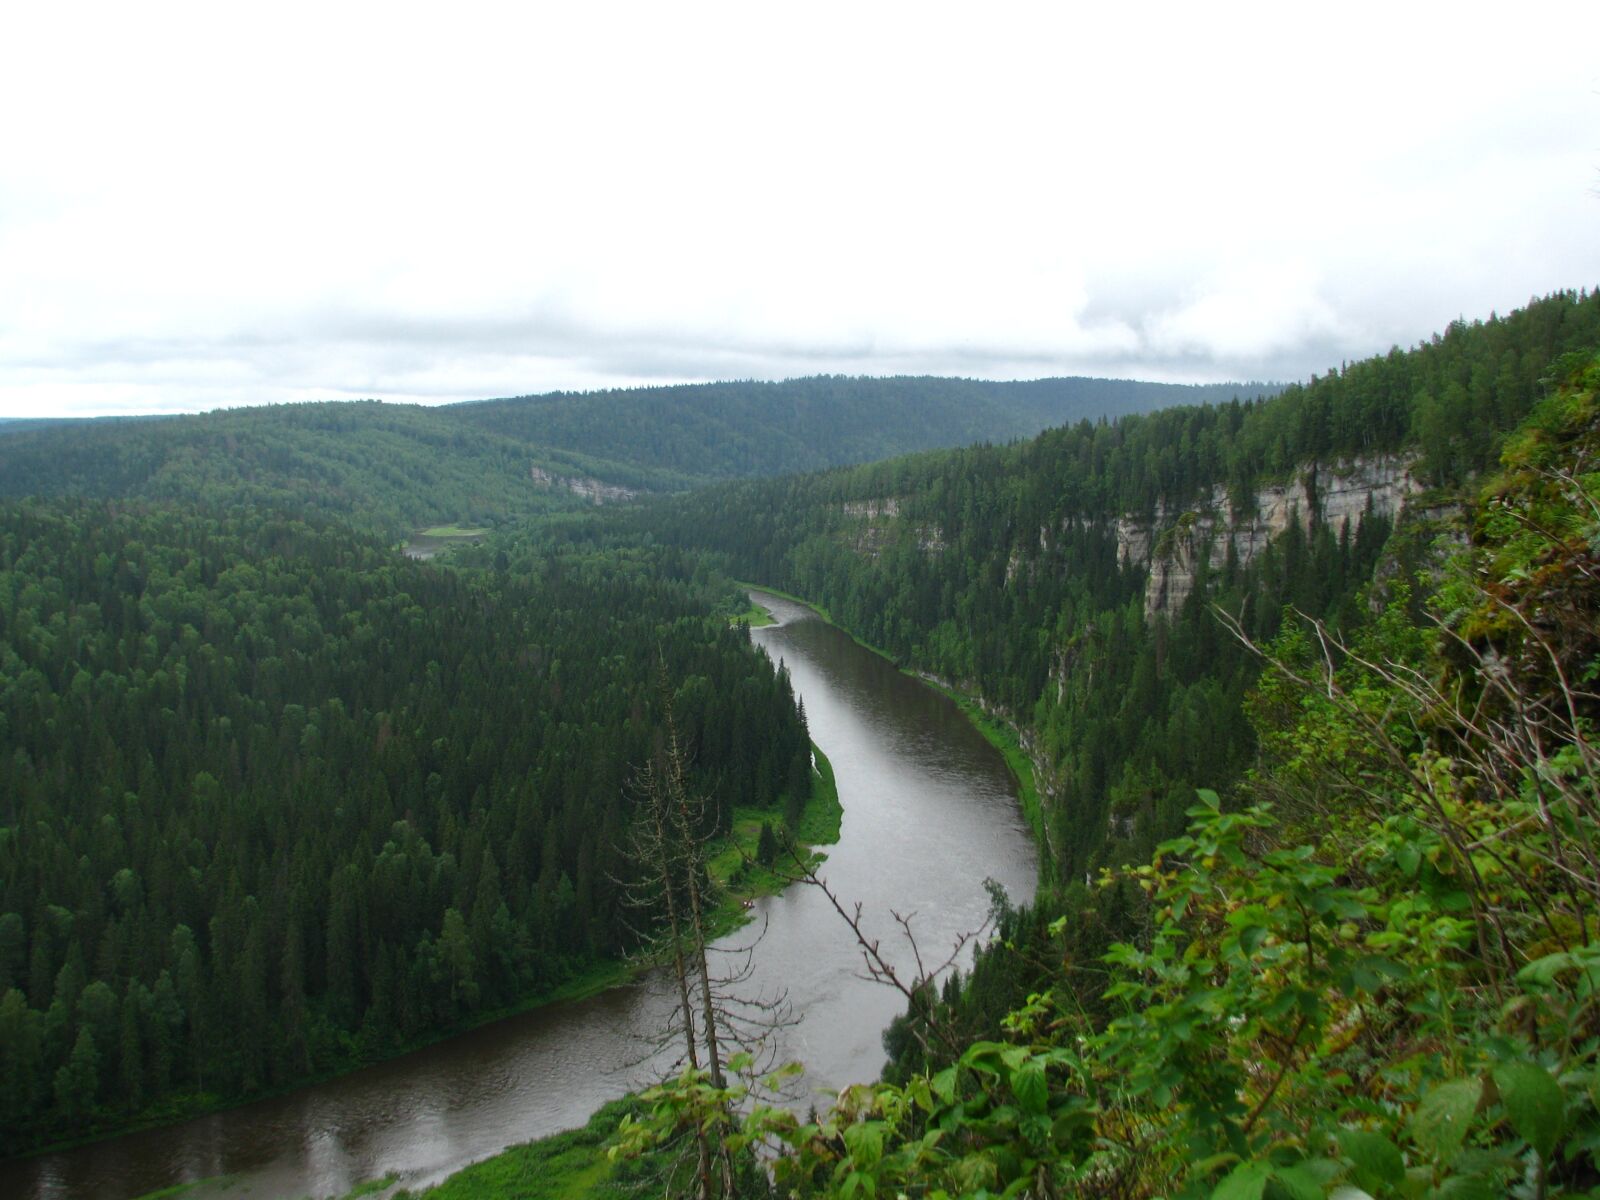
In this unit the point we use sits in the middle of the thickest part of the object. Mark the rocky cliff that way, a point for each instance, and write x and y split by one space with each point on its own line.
581 485
1172 544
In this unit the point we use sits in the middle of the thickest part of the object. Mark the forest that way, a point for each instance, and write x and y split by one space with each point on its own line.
393 468
1363 962
1317 909
998 567
275 800
732 430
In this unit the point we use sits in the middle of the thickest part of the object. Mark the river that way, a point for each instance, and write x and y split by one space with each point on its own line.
930 811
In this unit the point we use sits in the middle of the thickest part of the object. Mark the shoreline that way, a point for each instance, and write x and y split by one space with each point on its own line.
572 1156
820 815
997 730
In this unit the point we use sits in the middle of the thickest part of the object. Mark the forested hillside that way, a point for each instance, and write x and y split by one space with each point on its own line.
1014 571
731 430
1368 970
275 800
382 467
393 468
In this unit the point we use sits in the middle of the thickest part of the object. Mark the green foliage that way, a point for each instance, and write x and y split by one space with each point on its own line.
712 431
275 800
565 1166
393 468
1390 988
1002 568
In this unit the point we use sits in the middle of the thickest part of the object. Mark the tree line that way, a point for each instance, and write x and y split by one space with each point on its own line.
998 567
275 800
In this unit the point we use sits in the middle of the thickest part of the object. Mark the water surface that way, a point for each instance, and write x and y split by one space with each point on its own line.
930 811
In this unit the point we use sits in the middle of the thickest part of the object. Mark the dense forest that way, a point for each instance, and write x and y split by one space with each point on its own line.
393 468
1000 568
731 430
275 800
386 468
1373 971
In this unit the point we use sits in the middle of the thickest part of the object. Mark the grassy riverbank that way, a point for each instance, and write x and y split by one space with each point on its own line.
754 616
1000 733
563 1166
573 1164
740 878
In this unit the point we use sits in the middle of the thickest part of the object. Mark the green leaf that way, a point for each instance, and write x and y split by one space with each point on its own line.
1408 859
1247 1181
1299 1181
1534 1102
1543 971
1209 798
1469 1187
1028 1084
1376 1161
1440 1123
865 1142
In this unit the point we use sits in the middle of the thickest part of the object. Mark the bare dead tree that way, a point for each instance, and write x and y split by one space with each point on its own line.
876 965
1501 737
715 1015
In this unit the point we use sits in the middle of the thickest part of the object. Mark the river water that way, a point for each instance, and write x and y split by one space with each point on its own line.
930 811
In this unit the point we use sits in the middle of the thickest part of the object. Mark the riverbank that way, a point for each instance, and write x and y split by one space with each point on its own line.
574 1164
733 864
564 1166
741 881
997 731
754 616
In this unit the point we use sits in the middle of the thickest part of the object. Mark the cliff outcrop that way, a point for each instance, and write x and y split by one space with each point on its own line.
581 485
1174 544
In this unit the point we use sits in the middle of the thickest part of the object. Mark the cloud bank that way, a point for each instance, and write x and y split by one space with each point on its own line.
205 208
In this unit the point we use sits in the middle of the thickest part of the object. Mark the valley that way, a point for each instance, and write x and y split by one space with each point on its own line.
1302 684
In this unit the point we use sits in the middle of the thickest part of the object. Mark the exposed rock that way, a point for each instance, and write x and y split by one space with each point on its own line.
593 490
1339 494
878 517
880 506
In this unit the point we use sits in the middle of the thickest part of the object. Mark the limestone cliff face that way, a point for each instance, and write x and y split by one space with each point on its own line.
1173 544
581 485
875 522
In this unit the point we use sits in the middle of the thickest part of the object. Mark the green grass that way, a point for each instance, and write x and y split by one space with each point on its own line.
564 1166
754 616
369 1187
215 1182
732 864
452 531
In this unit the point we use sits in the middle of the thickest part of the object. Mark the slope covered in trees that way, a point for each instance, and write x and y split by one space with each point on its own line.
274 800
393 468
1371 971
731 430
1005 569
387 468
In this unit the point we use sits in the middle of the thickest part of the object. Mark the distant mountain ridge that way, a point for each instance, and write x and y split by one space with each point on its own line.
753 428
393 467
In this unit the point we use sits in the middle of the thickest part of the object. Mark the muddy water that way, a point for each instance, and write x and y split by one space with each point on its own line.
930 811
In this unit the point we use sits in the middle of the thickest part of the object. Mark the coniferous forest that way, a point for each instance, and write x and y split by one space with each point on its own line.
278 800
1306 683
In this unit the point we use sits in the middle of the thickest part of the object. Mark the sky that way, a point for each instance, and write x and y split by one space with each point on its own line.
214 204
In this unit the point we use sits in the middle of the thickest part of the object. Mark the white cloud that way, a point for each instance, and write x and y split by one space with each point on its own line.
205 206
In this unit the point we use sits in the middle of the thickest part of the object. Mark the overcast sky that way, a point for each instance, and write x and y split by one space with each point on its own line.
225 204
